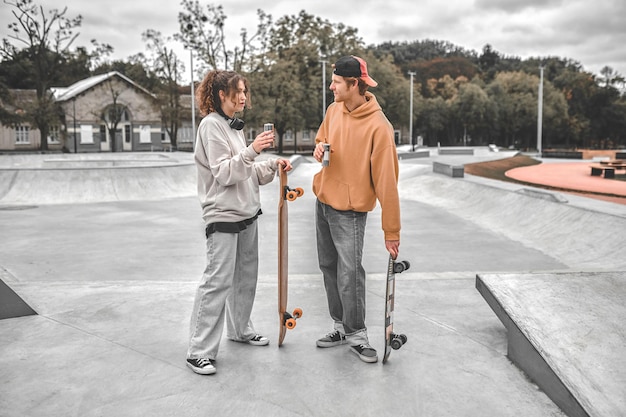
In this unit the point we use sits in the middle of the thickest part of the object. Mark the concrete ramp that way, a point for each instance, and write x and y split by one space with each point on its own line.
582 239
566 331
11 304
55 180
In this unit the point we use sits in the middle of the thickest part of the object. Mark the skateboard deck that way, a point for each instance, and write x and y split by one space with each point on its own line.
286 320
392 340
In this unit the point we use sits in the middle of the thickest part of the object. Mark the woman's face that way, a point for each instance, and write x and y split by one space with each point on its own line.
235 102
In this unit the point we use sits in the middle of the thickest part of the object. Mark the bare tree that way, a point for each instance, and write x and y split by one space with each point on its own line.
46 37
112 114
202 31
165 64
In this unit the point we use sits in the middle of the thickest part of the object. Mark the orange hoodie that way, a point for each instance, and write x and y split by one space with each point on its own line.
363 163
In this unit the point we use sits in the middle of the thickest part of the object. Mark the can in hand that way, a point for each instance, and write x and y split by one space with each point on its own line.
269 127
326 158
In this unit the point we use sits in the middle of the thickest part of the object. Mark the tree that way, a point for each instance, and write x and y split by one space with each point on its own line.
46 38
476 112
286 82
515 95
112 114
203 33
167 68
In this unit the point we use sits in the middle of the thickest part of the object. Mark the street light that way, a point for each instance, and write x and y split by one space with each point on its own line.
193 101
74 108
323 88
540 111
411 73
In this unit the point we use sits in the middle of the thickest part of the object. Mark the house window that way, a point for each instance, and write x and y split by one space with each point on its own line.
127 133
53 134
144 134
252 135
21 135
103 133
185 134
86 134
306 135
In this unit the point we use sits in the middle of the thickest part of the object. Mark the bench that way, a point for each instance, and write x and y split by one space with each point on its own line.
455 151
607 171
411 155
615 163
454 171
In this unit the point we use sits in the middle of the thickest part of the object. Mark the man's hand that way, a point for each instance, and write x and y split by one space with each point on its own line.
393 247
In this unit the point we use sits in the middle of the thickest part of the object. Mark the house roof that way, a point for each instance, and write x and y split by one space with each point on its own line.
68 93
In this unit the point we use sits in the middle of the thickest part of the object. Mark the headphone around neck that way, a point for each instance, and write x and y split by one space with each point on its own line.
234 123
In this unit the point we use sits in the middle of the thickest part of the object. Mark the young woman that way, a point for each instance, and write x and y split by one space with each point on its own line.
228 189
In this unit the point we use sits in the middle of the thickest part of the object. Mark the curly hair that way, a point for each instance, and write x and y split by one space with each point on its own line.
208 91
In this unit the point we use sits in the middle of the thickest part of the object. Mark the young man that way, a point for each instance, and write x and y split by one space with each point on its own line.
363 168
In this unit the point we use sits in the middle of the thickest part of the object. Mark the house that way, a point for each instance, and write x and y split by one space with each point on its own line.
91 107
88 110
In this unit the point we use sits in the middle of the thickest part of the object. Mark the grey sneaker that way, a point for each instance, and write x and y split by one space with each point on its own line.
365 352
202 366
334 338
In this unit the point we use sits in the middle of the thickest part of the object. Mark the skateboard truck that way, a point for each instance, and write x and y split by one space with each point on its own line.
397 340
290 194
289 320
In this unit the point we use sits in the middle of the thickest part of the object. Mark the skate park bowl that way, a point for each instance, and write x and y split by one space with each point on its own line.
27 180
548 264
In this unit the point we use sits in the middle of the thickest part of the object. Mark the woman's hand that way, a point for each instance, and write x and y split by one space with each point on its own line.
284 164
263 141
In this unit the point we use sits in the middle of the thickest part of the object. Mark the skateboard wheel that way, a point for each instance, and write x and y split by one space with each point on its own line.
290 323
297 313
291 195
397 340
299 191
400 266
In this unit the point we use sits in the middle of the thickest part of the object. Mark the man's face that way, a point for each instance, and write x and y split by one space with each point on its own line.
341 89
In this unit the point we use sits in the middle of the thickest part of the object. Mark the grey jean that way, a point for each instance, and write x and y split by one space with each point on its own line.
340 236
226 292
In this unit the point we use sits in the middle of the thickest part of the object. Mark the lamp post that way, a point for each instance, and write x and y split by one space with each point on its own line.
74 109
540 111
193 101
323 88
411 73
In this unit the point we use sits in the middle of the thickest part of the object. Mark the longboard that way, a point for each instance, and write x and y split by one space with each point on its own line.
286 320
392 340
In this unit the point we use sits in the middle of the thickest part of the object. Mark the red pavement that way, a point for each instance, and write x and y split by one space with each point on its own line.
574 177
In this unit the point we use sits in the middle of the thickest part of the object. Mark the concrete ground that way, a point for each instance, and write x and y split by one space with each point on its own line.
113 284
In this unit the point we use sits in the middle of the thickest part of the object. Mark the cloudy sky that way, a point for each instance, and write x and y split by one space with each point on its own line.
590 32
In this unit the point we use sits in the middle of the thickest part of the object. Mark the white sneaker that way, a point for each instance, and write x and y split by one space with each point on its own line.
259 340
202 366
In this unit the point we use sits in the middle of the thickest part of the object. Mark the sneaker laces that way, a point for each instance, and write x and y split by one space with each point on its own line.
202 362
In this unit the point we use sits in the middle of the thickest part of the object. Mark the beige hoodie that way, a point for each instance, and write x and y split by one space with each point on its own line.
363 163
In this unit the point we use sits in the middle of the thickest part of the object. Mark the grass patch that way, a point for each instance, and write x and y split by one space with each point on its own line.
496 169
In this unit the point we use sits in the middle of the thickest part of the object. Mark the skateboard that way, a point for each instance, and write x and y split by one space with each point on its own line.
392 340
286 320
